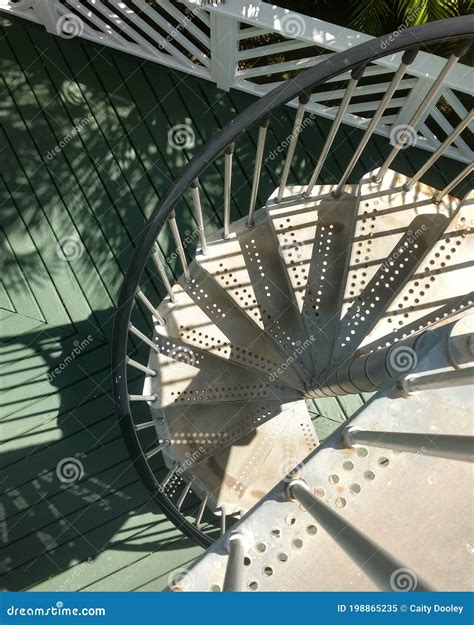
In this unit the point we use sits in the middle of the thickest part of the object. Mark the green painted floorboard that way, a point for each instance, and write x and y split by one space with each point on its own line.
110 114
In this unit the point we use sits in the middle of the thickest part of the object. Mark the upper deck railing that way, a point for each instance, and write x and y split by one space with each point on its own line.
255 46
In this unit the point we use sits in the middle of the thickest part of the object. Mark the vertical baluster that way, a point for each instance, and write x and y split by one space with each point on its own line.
151 398
454 182
233 579
431 98
170 474
373 560
179 246
140 367
199 218
262 134
439 152
202 507
143 298
228 188
407 59
142 337
184 493
356 75
303 101
161 270
157 449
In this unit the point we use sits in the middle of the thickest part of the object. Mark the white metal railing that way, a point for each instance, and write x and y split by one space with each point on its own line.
211 41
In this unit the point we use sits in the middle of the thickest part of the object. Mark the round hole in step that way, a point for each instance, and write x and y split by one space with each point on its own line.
348 465
268 571
340 502
312 530
333 479
282 557
383 461
275 533
215 588
297 543
369 475
261 547
355 489
247 561
253 585
319 492
362 452
290 519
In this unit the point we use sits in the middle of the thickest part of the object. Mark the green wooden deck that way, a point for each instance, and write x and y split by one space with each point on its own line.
110 114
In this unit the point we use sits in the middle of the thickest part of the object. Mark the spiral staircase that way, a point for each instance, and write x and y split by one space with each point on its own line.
326 290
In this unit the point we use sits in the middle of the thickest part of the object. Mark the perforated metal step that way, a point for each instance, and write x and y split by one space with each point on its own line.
314 236
377 514
236 452
248 267
204 318
444 276
395 229
187 376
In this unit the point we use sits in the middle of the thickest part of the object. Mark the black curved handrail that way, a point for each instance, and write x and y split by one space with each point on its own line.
453 29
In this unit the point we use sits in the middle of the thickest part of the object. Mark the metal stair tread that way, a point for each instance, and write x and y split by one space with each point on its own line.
351 483
313 235
240 474
248 267
443 275
203 317
188 377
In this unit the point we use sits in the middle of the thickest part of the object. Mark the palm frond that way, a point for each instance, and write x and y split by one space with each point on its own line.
369 16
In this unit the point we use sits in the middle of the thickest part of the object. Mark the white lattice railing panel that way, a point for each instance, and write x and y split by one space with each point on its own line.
254 47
